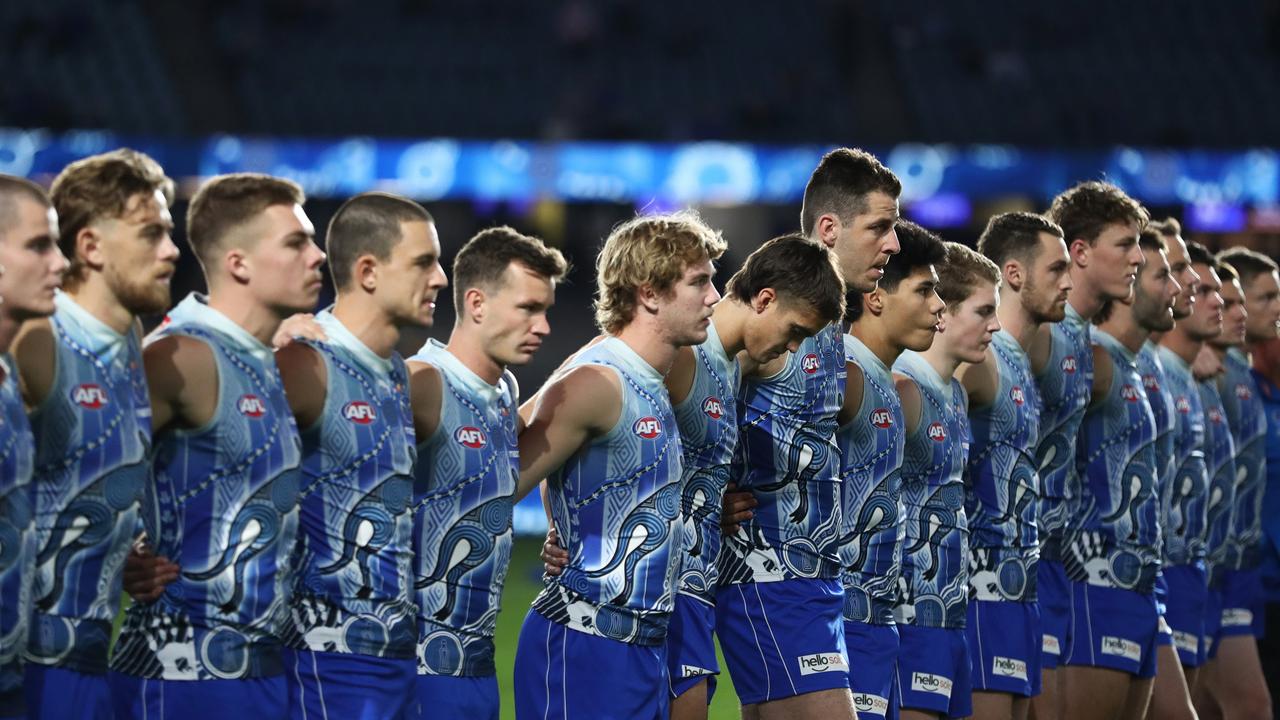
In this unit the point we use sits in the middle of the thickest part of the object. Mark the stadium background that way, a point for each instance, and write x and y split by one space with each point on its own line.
564 117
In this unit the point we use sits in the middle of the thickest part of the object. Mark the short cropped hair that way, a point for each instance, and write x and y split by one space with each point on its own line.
841 183
1198 254
367 224
482 262
920 249
649 250
226 202
798 269
1086 209
961 273
99 187
1168 227
1016 236
12 188
1248 263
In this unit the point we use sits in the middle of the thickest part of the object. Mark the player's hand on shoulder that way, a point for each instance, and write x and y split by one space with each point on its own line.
738 507
146 575
302 325
554 557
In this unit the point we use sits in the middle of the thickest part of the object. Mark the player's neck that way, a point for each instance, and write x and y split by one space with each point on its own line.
98 300
1083 297
874 333
368 323
1182 345
941 359
8 329
1122 326
730 317
253 317
470 350
1015 320
647 341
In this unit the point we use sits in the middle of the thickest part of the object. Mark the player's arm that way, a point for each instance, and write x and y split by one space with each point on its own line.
527 407
426 393
180 370
912 407
302 325
35 354
852 394
306 381
571 409
1103 372
980 380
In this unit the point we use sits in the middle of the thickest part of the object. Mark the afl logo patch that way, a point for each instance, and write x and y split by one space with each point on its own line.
1129 393
809 363
937 432
1016 394
89 396
712 407
472 437
881 418
1215 416
647 427
1243 392
251 406
1069 365
1149 382
359 412
1182 405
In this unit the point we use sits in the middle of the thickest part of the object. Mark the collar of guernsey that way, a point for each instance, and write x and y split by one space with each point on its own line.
195 309
867 360
632 361
434 352
107 343
339 335
714 345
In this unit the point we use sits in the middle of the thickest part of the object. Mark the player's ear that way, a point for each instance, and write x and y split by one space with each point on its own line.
763 300
873 302
88 247
473 304
647 297
1080 252
1013 275
365 272
827 229
236 262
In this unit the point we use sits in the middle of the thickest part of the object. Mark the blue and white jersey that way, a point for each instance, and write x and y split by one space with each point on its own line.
1065 383
1270 394
1183 502
464 486
1114 537
708 423
935 555
17 527
223 505
1220 457
92 435
352 591
615 503
1004 487
870 460
787 457
1155 383
1248 420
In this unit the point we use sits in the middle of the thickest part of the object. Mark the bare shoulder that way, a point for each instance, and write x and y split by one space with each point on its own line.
590 395
179 359
35 353
909 396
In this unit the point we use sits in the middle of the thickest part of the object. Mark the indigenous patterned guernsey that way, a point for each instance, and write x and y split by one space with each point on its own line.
935 564
1219 456
465 483
223 505
354 527
1065 384
788 459
92 434
708 424
870 460
17 535
615 503
1115 534
1185 498
1246 415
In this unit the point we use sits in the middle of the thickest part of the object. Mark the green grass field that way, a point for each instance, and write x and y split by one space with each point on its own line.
523 583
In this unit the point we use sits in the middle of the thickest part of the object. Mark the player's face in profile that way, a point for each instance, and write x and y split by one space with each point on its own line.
866 242
1205 320
1044 295
515 315
685 311
1114 260
1182 270
285 260
1234 315
33 265
413 276
138 255
968 327
779 328
912 312
1154 293
1262 301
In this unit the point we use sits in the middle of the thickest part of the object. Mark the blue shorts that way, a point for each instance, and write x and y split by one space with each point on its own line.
873 655
564 674
1005 646
138 698
344 685
1053 593
1185 604
691 647
942 653
1114 628
61 694
782 639
1243 611
454 698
